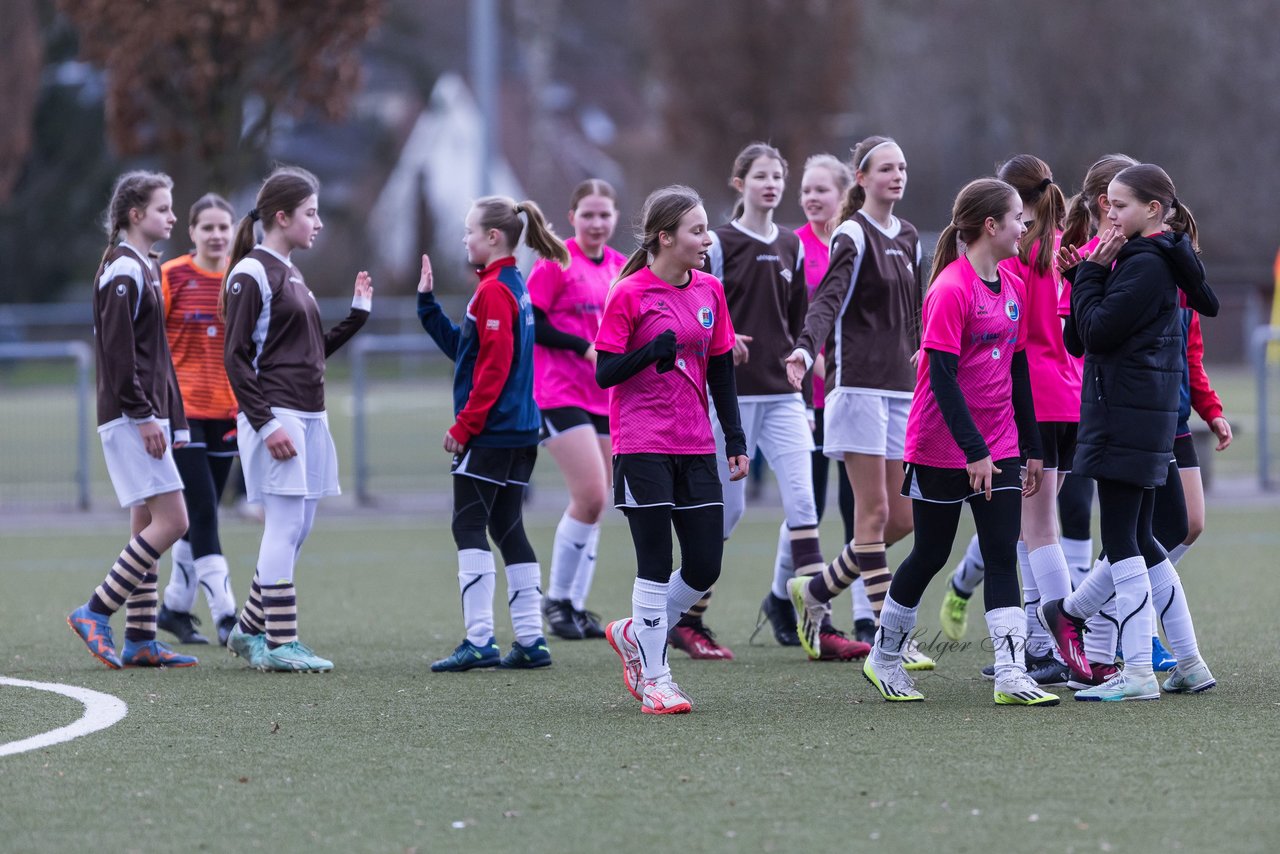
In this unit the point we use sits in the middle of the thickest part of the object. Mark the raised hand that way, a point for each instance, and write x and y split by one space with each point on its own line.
426 282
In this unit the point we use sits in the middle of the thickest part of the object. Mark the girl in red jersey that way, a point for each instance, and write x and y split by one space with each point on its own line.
191 285
140 417
867 315
567 304
665 340
495 431
275 357
973 417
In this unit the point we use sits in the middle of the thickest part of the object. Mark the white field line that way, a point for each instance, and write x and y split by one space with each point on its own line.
100 711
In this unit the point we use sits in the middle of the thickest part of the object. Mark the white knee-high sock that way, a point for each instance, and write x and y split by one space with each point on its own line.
1053 581
1133 594
1178 552
476 577
862 609
1171 608
1098 586
524 599
180 592
1100 639
649 625
1079 555
971 571
215 580
567 550
1007 628
581 586
783 566
681 597
897 622
1040 644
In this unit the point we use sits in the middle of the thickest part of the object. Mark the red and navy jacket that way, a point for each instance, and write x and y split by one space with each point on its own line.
493 359
1197 393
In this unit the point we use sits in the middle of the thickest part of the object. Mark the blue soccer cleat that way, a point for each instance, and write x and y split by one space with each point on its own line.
95 630
468 656
293 657
528 657
152 653
249 647
1162 661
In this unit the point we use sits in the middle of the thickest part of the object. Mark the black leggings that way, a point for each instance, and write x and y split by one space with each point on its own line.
998 522
203 479
1075 506
700 532
480 506
1126 521
1169 522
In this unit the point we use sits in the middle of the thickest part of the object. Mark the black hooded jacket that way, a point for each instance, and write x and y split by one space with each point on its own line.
1125 322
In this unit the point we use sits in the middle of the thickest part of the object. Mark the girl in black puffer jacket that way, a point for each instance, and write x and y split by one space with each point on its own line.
1124 318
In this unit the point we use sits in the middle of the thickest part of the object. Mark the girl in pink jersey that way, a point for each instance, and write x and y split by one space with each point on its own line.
665 340
567 304
972 411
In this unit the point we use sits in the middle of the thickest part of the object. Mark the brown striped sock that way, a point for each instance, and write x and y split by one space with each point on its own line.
874 566
140 611
129 570
280 604
252 620
835 577
693 616
806 552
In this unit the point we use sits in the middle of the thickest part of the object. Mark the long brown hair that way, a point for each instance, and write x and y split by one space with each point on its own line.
742 165
285 189
1082 210
662 212
1150 183
978 201
132 190
503 213
1033 180
857 195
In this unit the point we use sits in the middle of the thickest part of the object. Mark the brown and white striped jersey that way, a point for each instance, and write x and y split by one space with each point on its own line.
135 370
867 309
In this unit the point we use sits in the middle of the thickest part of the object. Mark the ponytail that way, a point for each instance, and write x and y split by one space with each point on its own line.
502 213
1150 183
854 199
1180 219
1083 214
636 262
539 235
132 190
241 246
1030 176
859 160
978 201
662 212
947 250
1077 224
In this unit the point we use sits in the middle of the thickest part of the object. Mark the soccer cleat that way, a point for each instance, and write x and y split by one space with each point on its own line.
559 614
1162 661
180 625
152 653
589 624
914 659
295 657
1125 685
1191 679
1021 690
1101 673
627 650
1068 635
893 683
225 626
468 656
954 615
528 657
95 630
1048 672
781 617
249 647
664 698
865 630
836 645
699 642
809 615
989 672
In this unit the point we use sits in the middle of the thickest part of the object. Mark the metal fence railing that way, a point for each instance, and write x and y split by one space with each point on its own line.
1263 337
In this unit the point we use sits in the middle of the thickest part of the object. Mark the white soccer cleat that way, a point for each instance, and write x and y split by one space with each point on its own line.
914 659
809 615
893 683
619 636
1191 679
665 698
1020 689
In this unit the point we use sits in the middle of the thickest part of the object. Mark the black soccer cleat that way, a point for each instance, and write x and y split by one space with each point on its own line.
561 619
180 625
589 623
781 616
865 630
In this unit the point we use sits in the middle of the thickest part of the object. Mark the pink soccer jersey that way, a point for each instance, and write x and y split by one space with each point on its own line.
817 255
573 300
1056 373
653 413
983 329
1064 297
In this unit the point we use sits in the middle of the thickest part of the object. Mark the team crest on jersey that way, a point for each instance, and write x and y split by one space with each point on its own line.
786 275
1011 310
120 289
235 287
706 317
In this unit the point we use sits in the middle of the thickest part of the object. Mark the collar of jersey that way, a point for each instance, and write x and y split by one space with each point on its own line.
494 266
763 238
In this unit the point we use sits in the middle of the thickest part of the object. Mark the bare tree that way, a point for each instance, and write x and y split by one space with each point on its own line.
20 64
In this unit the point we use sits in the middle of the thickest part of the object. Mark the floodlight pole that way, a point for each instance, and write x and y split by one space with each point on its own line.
484 82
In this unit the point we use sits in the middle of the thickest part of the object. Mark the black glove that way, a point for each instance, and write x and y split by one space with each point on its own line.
664 351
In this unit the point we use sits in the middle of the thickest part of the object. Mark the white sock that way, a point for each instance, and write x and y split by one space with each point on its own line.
214 577
896 625
681 597
567 551
862 609
1007 628
649 625
1079 555
783 567
581 586
1098 586
1133 592
1170 602
1100 639
524 599
1176 553
180 592
1038 645
971 571
476 576
1053 581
